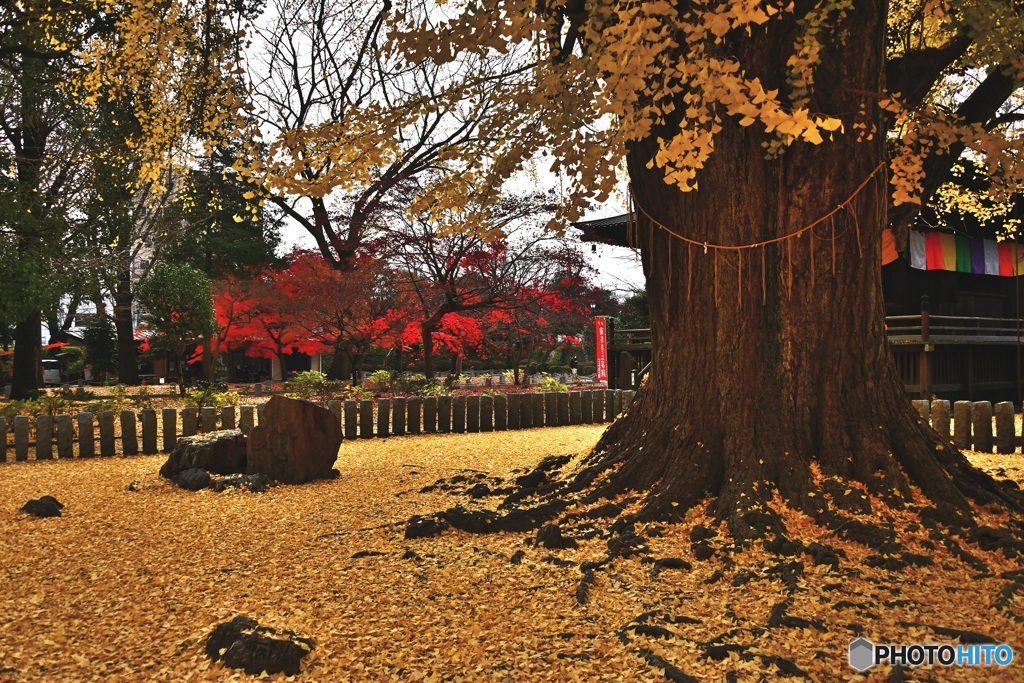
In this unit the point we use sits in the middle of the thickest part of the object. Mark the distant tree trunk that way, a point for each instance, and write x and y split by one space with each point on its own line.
26 362
127 351
341 365
773 361
427 335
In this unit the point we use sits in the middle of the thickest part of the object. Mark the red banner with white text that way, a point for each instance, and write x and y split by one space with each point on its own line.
601 335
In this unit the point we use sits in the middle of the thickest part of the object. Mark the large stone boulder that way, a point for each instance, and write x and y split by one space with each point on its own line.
220 452
243 644
295 442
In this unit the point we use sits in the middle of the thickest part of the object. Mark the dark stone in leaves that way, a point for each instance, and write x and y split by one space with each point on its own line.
135 486
479 491
410 555
46 506
423 527
651 631
366 553
716 577
701 533
743 577
254 483
550 536
557 561
192 480
702 551
222 452
517 557
243 644
669 563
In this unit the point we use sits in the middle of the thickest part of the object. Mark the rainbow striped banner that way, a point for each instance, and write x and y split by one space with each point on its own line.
941 251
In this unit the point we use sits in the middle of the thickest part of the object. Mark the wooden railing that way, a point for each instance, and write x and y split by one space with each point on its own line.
924 327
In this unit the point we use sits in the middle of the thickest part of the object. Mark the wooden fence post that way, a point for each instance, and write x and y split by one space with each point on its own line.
586 407
1006 432
459 414
962 425
246 419
86 436
366 419
444 414
106 422
169 418
486 413
515 404
430 414
473 414
981 426
65 436
611 405
335 407
20 438
148 418
550 409
940 418
563 408
208 419
351 410
227 417
414 416
260 409
129 438
575 407
599 410
627 399
383 415
44 437
398 415
3 439
189 421
538 410
526 411
501 412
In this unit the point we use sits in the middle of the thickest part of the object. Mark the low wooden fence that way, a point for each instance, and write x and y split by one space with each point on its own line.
147 432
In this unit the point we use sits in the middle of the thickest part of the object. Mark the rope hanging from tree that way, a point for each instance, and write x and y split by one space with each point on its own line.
632 239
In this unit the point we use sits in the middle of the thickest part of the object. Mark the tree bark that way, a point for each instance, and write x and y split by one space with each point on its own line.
771 368
127 352
26 366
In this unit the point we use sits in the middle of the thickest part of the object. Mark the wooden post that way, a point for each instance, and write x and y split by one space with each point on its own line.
398 415
189 421
576 407
981 425
473 414
487 413
430 414
129 437
611 405
227 417
260 409
538 410
169 422
246 419
940 418
562 415
962 425
3 439
366 419
148 418
1006 432
459 414
383 417
525 411
350 408
106 422
586 407
515 403
20 438
501 412
444 414
208 419
335 408
65 436
86 436
599 410
44 437
550 409
627 399
415 414
924 363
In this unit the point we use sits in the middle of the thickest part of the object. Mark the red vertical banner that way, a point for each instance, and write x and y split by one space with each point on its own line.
601 335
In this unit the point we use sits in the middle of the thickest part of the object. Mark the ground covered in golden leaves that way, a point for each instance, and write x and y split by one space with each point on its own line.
127 585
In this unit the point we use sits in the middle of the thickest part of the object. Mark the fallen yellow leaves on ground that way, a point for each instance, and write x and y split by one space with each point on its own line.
126 586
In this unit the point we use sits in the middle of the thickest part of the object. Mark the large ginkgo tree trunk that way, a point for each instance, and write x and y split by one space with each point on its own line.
771 370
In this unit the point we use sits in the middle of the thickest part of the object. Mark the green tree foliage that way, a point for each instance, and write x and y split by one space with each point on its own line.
101 347
179 307
634 314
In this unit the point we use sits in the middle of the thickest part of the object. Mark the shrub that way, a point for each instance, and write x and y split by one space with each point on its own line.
44 405
380 381
210 395
313 384
549 383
